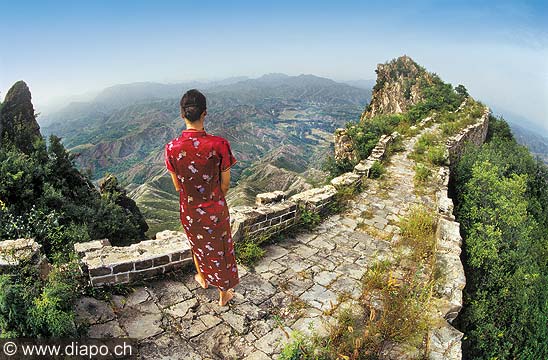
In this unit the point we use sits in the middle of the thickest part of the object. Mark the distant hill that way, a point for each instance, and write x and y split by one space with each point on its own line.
280 127
536 143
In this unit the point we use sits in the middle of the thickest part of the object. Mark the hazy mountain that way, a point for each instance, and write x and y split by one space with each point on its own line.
280 127
362 84
119 96
536 143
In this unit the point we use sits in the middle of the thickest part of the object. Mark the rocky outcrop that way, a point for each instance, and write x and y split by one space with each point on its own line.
344 148
398 87
18 123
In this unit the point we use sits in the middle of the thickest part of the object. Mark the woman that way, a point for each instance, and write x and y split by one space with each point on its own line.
199 164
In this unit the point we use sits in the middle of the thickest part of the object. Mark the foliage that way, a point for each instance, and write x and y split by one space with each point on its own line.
366 134
308 218
296 349
377 170
437 96
461 90
248 251
30 307
336 168
47 198
422 174
417 230
502 205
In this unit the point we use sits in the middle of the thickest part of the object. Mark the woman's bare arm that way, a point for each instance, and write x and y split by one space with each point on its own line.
175 181
225 181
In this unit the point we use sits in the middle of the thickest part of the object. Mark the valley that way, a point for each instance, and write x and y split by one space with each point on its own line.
280 128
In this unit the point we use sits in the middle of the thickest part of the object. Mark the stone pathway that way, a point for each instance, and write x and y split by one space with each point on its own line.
300 283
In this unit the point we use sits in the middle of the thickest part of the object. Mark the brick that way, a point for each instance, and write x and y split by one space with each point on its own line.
290 215
176 265
122 278
175 256
100 271
121 268
103 280
162 260
144 264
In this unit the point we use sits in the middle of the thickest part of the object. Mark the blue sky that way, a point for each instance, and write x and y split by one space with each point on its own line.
497 49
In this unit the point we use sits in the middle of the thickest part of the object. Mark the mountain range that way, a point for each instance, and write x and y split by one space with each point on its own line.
280 128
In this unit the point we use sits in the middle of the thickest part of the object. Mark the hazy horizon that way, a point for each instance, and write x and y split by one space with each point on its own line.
498 50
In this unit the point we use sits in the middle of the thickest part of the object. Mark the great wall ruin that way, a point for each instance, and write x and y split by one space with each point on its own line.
321 270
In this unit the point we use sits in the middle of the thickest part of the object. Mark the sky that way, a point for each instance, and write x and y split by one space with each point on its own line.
498 49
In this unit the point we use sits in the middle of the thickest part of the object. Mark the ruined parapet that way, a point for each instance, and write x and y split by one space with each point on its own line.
347 180
474 134
344 148
16 252
316 199
445 340
107 265
269 197
378 153
262 220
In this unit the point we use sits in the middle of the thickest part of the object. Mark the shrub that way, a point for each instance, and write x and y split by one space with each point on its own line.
30 307
422 174
436 155
308 218
336 168
502 205
418 230
377 170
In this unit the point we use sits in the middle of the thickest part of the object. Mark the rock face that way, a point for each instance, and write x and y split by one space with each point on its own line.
18 123
398 87
344 148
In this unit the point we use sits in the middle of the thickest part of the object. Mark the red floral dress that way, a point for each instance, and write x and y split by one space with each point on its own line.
197 158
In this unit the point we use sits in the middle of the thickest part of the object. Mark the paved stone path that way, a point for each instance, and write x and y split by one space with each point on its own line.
300 283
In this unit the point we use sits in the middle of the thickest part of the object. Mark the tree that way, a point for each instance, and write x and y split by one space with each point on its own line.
461 90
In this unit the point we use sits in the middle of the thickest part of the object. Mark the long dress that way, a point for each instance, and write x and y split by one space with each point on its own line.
197 158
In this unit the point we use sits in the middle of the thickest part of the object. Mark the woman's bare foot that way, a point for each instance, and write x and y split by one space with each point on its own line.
225 296
200 280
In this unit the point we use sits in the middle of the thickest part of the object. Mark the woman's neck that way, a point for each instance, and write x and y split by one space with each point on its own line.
194 126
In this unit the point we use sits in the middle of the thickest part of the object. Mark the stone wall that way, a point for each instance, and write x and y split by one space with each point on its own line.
475 134
273 213
107 265
445 340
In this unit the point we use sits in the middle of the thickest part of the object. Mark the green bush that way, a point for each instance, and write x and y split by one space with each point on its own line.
377 170
336 168
30 307
248 252
308 218
436 155
44 196
422 174
502 205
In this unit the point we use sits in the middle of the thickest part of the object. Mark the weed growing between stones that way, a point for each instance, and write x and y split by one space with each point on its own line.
248 251
341 199
418 230
377 170
395 302
308 218
422 175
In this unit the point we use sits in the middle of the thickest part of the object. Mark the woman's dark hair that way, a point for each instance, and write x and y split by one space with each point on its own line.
193 104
